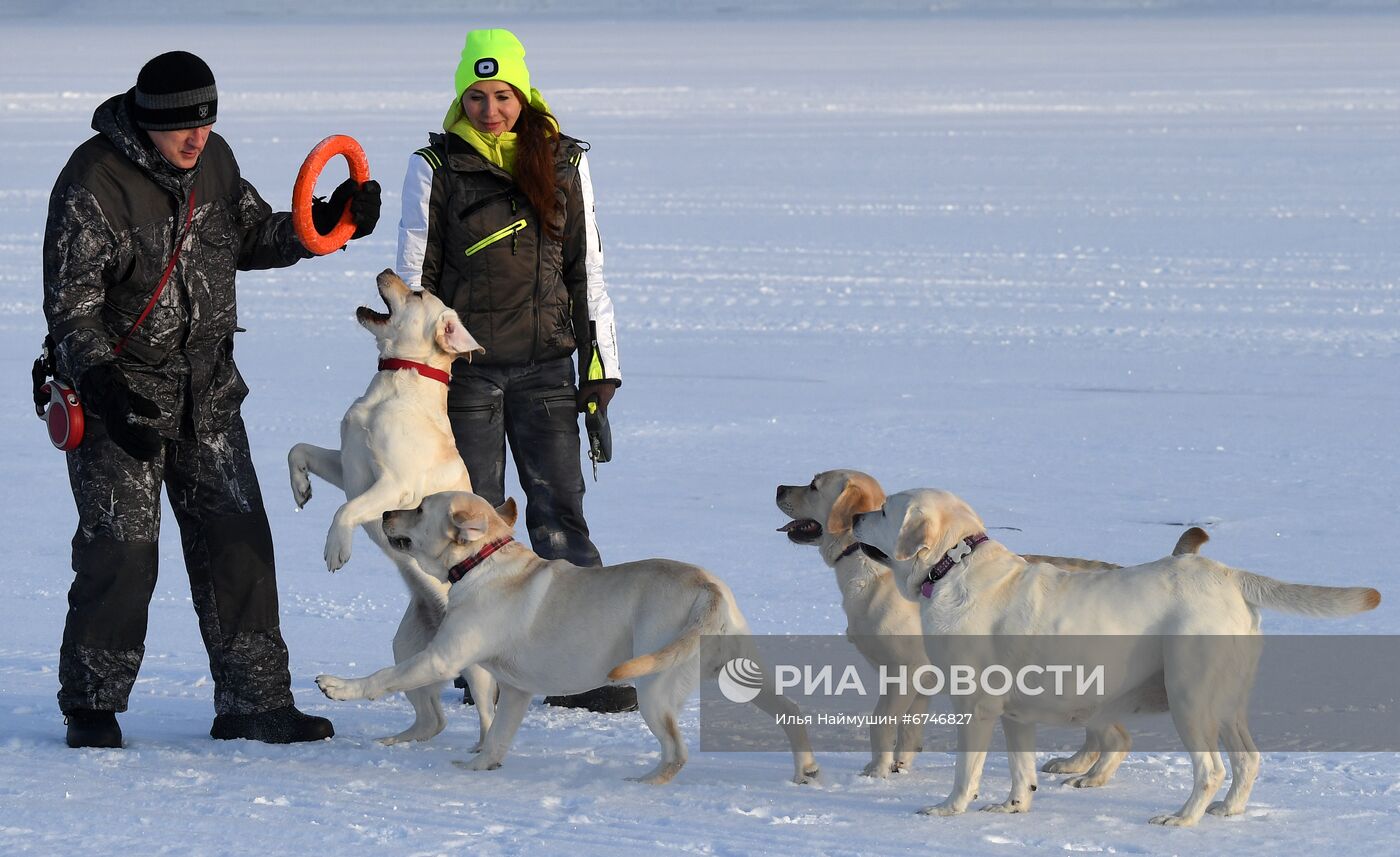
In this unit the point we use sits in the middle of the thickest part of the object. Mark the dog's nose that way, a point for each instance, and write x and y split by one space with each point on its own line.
388 516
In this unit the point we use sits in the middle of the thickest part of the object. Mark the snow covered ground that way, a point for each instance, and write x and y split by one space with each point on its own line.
1099 276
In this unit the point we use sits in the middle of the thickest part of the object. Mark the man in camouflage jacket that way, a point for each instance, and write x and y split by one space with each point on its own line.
162 397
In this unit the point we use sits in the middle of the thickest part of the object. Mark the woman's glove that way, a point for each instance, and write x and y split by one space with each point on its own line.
364 204
105 392
603 391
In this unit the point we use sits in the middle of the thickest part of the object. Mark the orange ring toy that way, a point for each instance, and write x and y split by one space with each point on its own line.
336 144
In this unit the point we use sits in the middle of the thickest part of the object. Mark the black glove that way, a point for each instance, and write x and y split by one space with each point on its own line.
603 391
104 392
364 204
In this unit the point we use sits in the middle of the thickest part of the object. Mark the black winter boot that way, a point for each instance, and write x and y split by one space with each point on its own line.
93 729
285 725
608 699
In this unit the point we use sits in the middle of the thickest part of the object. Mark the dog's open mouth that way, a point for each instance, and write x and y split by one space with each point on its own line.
400 543
874 552
365 315
803 532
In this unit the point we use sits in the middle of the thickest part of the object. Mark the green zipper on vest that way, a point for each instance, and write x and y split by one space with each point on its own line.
496 236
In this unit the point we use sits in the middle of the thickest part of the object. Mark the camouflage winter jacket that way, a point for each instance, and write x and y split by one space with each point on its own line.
113 217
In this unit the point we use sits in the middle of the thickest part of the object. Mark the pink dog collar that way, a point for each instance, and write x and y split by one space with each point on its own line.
957 554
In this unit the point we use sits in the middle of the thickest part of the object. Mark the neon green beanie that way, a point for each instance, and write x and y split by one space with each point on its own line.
493 55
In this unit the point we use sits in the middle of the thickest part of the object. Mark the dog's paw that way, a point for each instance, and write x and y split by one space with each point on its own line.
338 548
301 488
879 769
807 776
413 733
1085 782
1008 806
1220 807
340 689
1173 821
1066 765
943 810
479 762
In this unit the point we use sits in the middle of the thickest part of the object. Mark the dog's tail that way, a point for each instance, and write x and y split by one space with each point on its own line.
704 619
1326 601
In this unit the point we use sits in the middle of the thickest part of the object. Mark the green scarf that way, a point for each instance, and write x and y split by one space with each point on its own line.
498 150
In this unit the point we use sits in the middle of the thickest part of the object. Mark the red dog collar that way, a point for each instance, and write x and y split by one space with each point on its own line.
459 571
421 368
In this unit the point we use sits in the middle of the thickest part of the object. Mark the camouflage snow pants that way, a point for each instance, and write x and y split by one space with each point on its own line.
228 555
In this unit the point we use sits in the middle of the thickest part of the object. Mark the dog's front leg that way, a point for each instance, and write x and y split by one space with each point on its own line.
453 648
973 739
510 711
304 459
911 731
1020 751
422 669
882 739
383 496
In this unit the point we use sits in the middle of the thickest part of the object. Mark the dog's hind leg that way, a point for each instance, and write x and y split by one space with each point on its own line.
974 737
658 698
1020 752
483 688
416 630
1244 766
1114 742
782 709
305 458
1081 761
1207 769
510 711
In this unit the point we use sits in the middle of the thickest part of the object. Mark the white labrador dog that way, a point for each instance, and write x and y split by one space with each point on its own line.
545 626
886 627
396 448
976 592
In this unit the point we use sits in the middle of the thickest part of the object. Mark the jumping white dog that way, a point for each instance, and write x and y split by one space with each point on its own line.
549 627
979 598
396 448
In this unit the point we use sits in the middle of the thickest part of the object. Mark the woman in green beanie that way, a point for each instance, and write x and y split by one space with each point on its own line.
498 222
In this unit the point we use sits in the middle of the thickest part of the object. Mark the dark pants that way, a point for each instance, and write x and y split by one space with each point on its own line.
534 408
228 555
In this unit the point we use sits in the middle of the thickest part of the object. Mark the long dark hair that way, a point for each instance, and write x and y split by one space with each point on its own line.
537 141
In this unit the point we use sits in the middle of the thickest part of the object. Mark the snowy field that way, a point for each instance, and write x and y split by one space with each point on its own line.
1100 276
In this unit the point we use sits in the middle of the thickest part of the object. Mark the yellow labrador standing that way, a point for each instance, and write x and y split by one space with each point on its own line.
886 627
396 448
545 626
974 591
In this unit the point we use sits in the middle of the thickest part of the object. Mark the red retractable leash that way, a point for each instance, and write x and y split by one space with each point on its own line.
63 413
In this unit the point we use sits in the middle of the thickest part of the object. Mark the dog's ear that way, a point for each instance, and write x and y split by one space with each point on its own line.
916 533
452 335
470 527
855 498
507 511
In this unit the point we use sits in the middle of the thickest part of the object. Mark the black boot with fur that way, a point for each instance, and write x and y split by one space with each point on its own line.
284 725
93 729
608 699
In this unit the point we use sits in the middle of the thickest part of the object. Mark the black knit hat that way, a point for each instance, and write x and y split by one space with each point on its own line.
174 90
